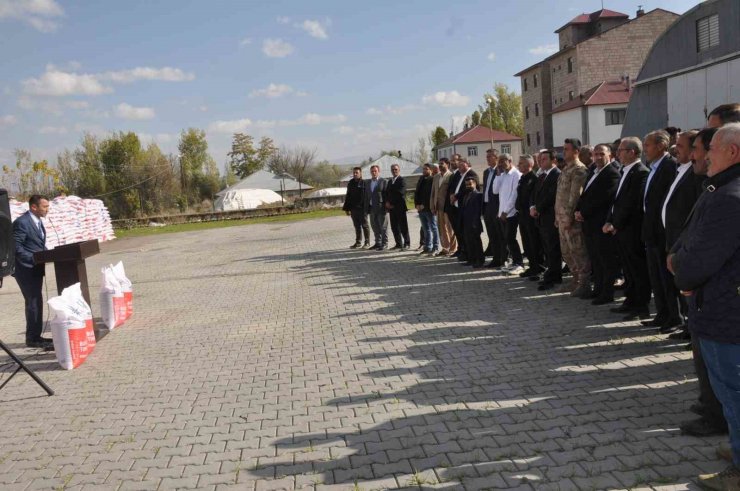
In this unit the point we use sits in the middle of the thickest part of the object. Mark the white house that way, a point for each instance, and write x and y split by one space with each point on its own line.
473 142
593 117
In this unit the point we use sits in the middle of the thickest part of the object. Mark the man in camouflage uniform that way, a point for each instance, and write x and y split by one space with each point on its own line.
572 241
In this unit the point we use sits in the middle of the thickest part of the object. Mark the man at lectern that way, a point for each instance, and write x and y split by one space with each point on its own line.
30 236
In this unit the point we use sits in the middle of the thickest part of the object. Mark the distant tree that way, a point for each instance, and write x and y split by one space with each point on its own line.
438 136
475 118
292 161
245 159
324 174
91 181
392 153
193 149
29 176
507 111
420 153
229 177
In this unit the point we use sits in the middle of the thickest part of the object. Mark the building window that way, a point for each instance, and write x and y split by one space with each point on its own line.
570 65
538 138
570 95
529 143
525 84
526 112
506 148
534 80
615 116
707 32
536 108
472 151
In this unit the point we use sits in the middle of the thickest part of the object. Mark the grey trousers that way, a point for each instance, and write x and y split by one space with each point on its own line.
379 224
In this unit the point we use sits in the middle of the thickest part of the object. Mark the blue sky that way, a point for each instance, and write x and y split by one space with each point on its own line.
346 78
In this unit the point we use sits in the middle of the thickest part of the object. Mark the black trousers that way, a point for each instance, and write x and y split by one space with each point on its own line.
456 221
551 247
400 226
30 281
634 264
707 398
474 246
661 282
359 220
511 226
531 242
602 251
496 233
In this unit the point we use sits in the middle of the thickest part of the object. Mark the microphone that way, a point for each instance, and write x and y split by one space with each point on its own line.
51 222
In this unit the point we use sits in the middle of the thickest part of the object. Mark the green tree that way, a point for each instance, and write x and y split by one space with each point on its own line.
229 178
91 181
324 175
245 159
193 149
292 161
506 108
120 154
438 137
475 118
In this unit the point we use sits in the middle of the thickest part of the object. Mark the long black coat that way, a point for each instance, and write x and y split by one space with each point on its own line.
595 202
653 232
396 193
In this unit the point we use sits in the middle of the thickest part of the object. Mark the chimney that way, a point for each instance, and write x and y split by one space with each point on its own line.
640 11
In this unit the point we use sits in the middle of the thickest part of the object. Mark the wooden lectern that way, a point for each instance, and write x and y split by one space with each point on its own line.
69 264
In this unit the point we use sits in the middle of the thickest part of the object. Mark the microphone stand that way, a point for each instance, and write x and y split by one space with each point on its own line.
24 367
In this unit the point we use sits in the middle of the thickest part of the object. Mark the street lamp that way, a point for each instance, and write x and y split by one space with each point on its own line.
490 100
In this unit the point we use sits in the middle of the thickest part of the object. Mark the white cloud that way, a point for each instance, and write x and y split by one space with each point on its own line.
157 138
56 83
315 28
7 120
446 99
53 130
39 14
283 20
391 110
344 130
127 111
313 119
165 74
545 49
245 42
233 126
276 48
491 56
272 91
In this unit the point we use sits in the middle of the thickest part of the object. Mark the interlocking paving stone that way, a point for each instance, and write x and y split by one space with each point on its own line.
272 357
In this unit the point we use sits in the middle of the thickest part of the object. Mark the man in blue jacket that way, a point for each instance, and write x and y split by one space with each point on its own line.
30 236
706 263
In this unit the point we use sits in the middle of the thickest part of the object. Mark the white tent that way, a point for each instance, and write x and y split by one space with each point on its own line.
245 199
321 193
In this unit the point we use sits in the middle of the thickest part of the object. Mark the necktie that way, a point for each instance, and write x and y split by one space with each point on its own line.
42 230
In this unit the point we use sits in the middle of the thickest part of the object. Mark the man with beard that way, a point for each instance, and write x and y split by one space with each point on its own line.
396 206
354 206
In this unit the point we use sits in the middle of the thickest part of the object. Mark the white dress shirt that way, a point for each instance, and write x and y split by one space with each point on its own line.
682 169
505 186
593 177
37 222
653 170
625 170
460 183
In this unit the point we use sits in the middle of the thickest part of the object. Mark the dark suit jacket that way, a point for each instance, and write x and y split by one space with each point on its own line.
423 192
454 179
463 190
653 233
524 192
543 198
28 239
626 211
595 202
380 195
396 194
493 199
471 208
355 197
680 204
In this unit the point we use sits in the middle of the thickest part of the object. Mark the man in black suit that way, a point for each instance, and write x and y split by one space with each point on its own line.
30 237
457 193
450 210
471 211
494 227
375 197
527 226
354 206
662 174
592 209
396 205
542 209
624 221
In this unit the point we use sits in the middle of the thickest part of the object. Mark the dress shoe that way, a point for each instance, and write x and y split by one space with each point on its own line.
698 408
384 247
43 343
455 254
667 329
727 480
406 248
397 247
421 246
622 309
463 258
356 245
652 322
636 314
478 265
602 301
534 278
528 273
546 286
680 335
494 264
366 245
702 427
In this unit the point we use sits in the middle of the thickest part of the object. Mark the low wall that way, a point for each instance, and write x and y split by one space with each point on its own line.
213 216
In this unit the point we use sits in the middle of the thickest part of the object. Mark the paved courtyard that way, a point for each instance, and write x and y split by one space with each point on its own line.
273 357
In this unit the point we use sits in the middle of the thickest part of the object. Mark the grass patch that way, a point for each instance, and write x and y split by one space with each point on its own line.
190 227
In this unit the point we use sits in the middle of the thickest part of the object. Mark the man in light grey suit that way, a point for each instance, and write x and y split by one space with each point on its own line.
375 198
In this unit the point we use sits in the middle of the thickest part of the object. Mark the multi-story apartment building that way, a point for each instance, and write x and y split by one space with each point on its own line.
604 46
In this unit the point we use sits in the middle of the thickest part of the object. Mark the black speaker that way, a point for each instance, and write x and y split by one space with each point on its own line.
7 245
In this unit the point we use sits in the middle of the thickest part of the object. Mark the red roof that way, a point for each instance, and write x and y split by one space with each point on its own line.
479 134
603 94
594 16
